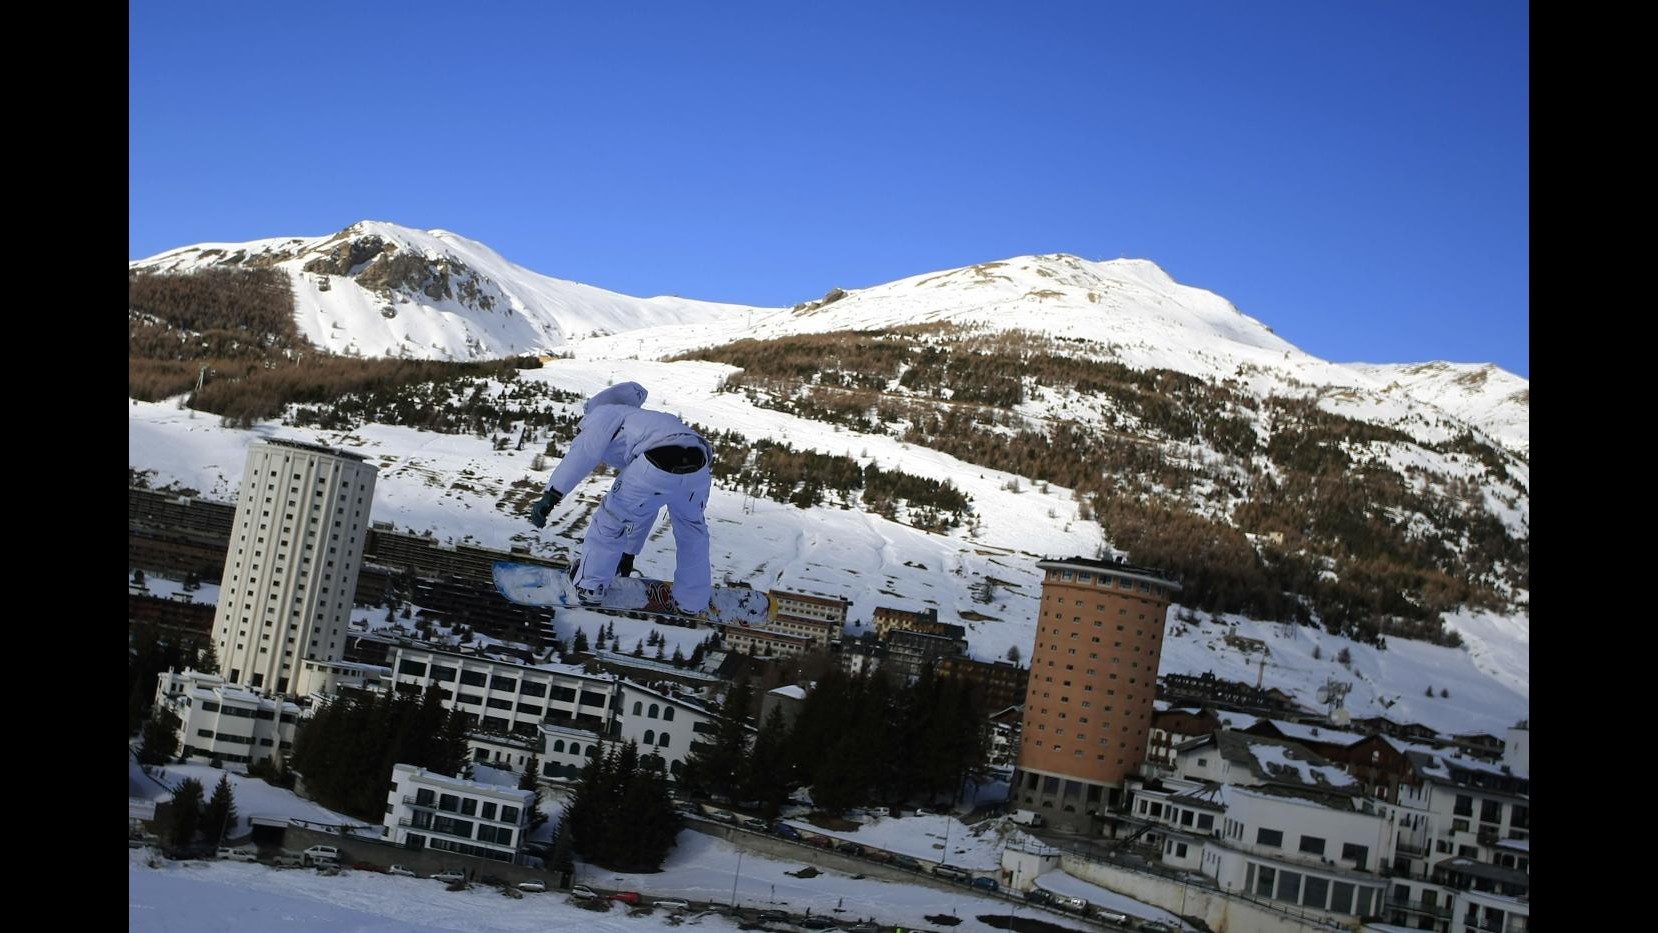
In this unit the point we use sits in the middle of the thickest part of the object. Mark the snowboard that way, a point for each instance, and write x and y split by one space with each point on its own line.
537 585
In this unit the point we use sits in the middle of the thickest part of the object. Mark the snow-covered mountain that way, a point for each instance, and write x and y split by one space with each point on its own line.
1490 398
395 291
378 289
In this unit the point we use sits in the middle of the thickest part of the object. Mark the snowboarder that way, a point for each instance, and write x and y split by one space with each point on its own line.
661 463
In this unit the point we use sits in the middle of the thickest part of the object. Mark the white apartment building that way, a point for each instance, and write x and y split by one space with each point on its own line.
1267 818
762 643
565 751
1462 857
291 571
561 705
806 606
1312 852
817 631
223 721
427 810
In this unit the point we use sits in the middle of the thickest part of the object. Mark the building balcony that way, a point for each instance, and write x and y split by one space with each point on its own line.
1412 849
1418 907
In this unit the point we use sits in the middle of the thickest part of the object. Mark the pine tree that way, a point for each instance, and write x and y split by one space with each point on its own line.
220 813
678 660
718 766
580 646
765 775
207 661
563 856
531 780
186 817
160 737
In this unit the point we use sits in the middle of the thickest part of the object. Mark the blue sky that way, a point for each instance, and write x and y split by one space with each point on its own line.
1354 175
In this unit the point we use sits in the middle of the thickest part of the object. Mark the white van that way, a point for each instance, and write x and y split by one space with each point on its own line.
321 855
1027 818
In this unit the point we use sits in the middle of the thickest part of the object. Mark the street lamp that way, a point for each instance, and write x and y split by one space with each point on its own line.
734 877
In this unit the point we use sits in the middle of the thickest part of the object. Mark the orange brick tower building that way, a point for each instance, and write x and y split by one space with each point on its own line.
1093 677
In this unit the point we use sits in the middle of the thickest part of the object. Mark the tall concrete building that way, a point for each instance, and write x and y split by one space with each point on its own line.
291 570
1093 678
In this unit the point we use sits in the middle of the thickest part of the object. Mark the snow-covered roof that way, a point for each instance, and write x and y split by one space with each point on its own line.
1276 761
1234 720
1282 762
792 691
1304 732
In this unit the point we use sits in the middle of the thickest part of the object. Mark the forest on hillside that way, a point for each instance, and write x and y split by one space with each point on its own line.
1266 507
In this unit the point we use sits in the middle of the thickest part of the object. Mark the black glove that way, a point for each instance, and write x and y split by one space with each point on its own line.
538 512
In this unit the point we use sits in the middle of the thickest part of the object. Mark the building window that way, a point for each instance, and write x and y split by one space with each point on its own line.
1289 887
1264 878
1269 837
1312 845
1355 854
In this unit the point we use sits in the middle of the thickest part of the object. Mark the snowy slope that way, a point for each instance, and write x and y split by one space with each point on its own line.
1492 399
847 552
379 289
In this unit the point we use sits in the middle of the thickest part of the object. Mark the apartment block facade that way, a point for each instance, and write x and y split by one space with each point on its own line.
427 810
1093 682
290 573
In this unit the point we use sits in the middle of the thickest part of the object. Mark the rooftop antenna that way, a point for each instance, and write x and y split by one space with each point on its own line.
1334 695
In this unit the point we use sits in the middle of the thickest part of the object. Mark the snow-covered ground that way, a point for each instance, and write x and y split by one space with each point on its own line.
977 848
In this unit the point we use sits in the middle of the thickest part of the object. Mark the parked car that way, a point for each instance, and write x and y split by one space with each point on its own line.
289 860
1071 903
952 872
1039 896
880 855
320 855
906 861
1111 916
626 897
533 886
822 842
815 922
786 831
772 914
237 855
671 903
988 884
724 816
862 926
582 892
367 866
850 848
450 876
753 822
403 870
1152 926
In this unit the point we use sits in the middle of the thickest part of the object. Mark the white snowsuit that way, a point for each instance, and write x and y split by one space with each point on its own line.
617 432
